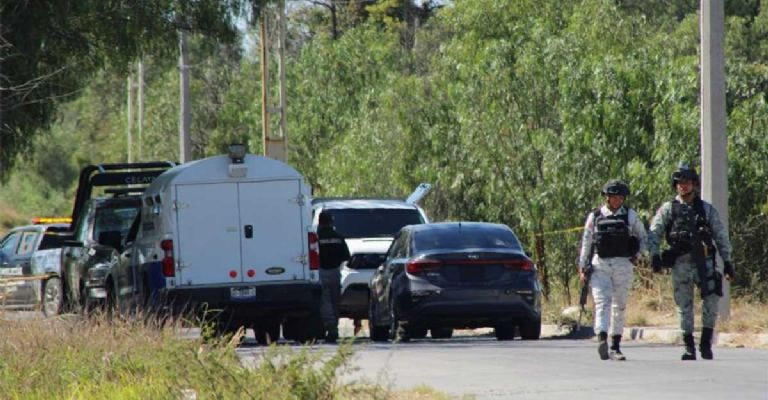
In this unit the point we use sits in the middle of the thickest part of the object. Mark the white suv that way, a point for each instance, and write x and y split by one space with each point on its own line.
368 225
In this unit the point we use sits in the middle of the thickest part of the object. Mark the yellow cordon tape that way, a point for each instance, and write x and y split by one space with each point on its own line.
575 229
27 278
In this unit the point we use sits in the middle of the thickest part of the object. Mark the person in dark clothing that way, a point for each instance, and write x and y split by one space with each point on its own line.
333 251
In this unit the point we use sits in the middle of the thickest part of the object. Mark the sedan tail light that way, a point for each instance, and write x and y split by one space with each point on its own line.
422 265
519 264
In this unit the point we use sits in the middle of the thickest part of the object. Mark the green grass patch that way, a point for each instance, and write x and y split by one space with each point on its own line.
81 358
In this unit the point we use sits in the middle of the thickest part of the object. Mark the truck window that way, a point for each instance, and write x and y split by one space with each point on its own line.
27 243
110 219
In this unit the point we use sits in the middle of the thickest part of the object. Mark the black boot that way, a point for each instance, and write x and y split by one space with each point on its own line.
615 353
602 346
705 347
690 348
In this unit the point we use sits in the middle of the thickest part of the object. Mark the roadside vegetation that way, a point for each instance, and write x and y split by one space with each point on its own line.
93 358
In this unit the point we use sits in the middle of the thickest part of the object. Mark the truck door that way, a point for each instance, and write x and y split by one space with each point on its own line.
208 233
272 232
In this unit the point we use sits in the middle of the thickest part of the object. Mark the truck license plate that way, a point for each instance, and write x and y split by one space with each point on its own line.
242 293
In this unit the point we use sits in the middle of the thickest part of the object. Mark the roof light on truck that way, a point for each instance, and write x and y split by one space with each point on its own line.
237 169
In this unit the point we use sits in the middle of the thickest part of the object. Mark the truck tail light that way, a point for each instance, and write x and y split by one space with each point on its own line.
422 265
169 267
314 252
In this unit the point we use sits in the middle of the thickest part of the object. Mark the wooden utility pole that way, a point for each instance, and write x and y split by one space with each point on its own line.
185 153
714 149
129 113
274 146
140 111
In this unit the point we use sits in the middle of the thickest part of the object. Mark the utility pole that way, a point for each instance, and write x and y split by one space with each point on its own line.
714 149
140 100
185 153
129 130
274 146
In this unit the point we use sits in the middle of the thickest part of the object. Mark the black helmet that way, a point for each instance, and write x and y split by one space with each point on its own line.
684 173
615 187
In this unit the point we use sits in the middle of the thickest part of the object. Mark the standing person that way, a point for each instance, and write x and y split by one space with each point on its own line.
614 238
692 229
333 251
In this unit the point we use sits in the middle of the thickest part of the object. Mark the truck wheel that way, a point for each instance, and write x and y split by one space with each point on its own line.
441 333
417 332
505 331
53 297
267 332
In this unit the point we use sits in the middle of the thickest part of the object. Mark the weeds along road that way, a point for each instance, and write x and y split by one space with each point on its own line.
555 369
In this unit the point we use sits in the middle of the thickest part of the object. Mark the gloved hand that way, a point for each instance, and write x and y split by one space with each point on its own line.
656 263
728 270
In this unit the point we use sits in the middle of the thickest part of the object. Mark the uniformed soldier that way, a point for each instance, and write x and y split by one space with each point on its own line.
693 231
333 251
613 240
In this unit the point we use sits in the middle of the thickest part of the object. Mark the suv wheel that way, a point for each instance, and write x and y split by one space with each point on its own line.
53 297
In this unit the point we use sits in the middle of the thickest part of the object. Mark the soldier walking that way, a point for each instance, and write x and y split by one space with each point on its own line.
694 232
333 251
614 238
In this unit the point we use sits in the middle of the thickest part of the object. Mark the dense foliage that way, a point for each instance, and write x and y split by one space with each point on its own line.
517 112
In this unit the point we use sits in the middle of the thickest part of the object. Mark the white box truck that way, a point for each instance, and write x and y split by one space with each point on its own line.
231 235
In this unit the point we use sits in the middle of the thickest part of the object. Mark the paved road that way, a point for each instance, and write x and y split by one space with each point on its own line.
557 369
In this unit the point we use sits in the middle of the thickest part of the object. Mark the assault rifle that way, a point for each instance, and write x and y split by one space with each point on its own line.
584 291
702 243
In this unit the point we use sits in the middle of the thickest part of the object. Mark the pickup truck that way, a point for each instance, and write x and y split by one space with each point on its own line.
30 267
100 225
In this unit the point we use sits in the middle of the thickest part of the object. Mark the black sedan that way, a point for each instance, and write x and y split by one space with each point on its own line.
446 276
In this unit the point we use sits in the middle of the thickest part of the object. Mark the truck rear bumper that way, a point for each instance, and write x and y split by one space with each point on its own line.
269 301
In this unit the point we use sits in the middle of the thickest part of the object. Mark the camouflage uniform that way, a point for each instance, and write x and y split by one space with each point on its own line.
611 277
684 272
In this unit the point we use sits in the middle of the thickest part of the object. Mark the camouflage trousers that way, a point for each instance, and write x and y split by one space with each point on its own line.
685 276
611 280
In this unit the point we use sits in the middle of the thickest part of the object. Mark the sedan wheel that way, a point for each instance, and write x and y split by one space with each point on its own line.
531 329
378 333
505 331
52 297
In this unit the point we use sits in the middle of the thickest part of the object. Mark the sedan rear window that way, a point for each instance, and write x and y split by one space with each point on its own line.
373 222
466 238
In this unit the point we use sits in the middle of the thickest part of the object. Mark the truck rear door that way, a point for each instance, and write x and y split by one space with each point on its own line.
273 233
208 233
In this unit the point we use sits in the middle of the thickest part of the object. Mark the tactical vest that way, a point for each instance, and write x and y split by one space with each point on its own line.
612 237
684 220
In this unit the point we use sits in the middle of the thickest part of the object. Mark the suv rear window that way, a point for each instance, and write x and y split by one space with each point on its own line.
373 222
366 261
465 238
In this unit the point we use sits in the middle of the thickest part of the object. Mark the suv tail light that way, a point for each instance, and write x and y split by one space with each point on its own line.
519 264
169 267
422 265
314 253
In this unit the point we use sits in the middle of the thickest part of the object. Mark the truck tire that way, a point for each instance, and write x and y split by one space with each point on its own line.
52 297
441 333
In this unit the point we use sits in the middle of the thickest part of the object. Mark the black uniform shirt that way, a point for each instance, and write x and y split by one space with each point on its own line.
333 248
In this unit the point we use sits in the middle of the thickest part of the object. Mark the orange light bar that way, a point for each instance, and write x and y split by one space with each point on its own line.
51 220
